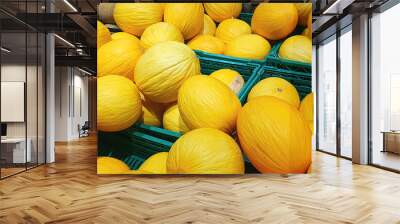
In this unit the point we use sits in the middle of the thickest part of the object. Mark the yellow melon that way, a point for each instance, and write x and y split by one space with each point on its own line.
124 35
307 110
110 165
222 11
118 103
249 46
155 164
172 120
230 77
274 21
207 43
160 32
274 136
187 17
118 57
134 18
303 10
205 151
231 28
296 48
206 102
276 87
209 26
163 68
103 34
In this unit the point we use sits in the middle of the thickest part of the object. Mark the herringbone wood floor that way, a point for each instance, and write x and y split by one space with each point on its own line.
69 191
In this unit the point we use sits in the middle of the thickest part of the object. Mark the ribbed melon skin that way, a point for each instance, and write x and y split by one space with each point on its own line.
205 151
187 17
206 102
163 68
118 103
222 11
274 136
274 21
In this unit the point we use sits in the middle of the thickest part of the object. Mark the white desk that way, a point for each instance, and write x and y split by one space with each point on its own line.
18 149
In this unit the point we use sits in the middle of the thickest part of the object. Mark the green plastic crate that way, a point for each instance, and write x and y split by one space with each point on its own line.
246 17
133 147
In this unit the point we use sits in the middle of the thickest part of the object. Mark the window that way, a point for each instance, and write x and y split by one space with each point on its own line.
346 92
385 89
327 96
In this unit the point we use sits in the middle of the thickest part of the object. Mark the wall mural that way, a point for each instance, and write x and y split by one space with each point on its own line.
213 88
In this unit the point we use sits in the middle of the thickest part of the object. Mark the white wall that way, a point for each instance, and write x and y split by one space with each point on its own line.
70 83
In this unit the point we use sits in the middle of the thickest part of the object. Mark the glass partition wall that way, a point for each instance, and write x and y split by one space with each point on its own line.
345 61
334 94
326 96
22 88
385 90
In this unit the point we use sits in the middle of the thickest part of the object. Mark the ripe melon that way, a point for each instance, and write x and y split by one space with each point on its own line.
276 87
249 46
206 102
205 151
222 11
296 48
163 68
303 10
118 103
230 77
172 120
134 18
124 35
187 17
231 28
307 110
118 57
152 112
160 32
209 26
103 34
274 136
110 165
155 164
274 21
207 43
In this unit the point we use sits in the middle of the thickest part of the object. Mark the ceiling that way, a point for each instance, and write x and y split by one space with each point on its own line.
72 20
329 16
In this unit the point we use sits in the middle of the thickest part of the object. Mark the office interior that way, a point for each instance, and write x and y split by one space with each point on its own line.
45 89
48 80
48 108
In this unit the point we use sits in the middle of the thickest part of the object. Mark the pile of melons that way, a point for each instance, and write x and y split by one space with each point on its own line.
149 73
